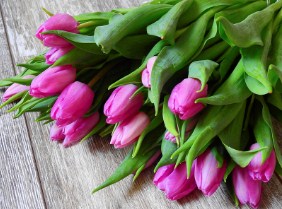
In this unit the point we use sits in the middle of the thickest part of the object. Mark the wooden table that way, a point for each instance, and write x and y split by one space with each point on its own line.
37 173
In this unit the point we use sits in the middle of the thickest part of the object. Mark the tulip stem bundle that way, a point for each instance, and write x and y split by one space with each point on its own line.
194 86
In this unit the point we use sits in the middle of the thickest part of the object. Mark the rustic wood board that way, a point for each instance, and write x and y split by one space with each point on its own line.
50 176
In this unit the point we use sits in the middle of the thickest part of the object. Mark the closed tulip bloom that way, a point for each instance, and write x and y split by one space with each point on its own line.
174 182
52 81
121 106
56 133
182 99
15 89
208 175
146 73
261 171
59 21
55 53
75 100
129 130
75 131
246 189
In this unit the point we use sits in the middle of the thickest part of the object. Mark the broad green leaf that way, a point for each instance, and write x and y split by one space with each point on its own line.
94 16
165 27
213 120
213 51
77 56
153 126
167 148
5 83
173 58
242 158
249 31
130 165
169 119
275 99
16 79
131 23
202 70
83 42
135 47
135 76
233 90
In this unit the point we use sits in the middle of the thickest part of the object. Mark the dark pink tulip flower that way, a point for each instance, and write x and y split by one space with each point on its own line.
174 182
182 99
146 73
56 133
15 89
75 131
55 53
261 171
121 106
208 175
246 189
129 130
59 21
52 81
75 100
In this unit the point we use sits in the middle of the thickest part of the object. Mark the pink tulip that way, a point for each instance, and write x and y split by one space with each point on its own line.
52 81
168 136
56 133
208 175
55 53
129 130
75 131
261 171
174 182
15 89
59 21
246 189
146 74
120 105
182 99
75 100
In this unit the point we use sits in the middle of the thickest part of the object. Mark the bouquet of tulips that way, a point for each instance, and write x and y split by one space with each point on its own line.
193 86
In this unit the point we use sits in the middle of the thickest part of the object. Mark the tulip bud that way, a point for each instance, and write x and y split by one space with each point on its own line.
208 175
120 105
55 53
246 189
129 130
182 99
75 131
15 89
146 74
174 182
75 100
52 81
56 133
261 171
59 21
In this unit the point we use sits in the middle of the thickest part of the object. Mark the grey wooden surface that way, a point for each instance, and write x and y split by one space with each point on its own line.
37 173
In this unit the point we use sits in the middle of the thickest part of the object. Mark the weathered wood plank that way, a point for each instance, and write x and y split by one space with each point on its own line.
69 175
19 184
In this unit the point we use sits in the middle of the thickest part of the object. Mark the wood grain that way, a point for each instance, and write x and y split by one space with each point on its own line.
67 176
19 183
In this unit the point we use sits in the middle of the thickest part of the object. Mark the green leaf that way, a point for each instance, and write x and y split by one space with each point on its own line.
37 66
130 165
247 32
233 90
202 70
16 79
135 47
213 51
169 119
165 27
83 42
278 169
275 99
173 58
231 165
77 56
167 148
13 98
135 76
94 16
218 156
153 126
131 23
